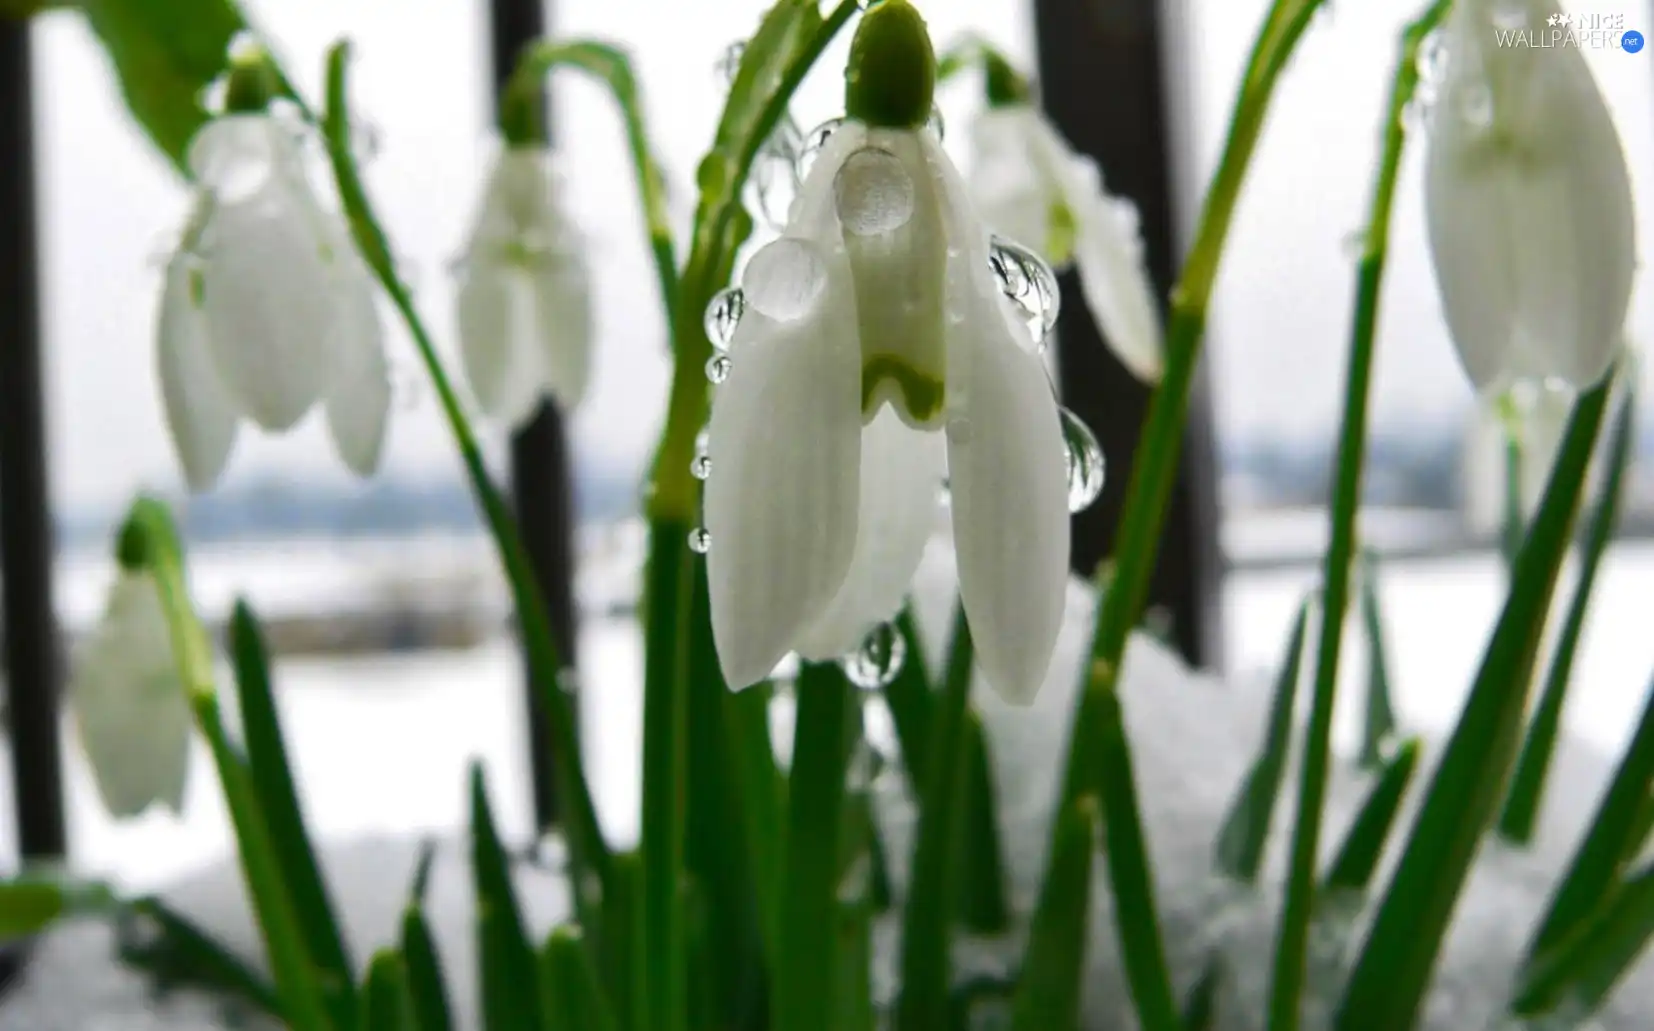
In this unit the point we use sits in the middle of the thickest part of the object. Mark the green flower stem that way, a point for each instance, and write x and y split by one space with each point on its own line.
1510 523
1154 468
588 853
1293 944
149 536
613 67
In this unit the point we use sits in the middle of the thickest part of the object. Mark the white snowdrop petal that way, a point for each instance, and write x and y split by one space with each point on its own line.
1013 192
201 417
781 503
901 479
564 317
358 402
499 350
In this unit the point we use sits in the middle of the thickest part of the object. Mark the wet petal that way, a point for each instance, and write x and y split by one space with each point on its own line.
129 705
901 480
359 400
564 320
1108 253
498 321
1529 209
781 504
1013 192
201 416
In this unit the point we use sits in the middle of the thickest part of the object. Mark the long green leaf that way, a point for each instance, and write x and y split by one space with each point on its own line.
804 973
934 878
1245 831
1586 966
507 972
166 55
1527 788
1611 843
1200 1009
983 906
1053 967
853 967
619 943
427 988
279 800
36 900
177 953
1379 726
1393 971
909 697
763 798
575 997
1358 857
386 1005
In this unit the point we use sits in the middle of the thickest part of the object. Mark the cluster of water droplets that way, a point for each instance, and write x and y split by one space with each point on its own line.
1432 64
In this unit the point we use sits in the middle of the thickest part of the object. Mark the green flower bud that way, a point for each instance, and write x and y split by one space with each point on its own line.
1004 86
890 82
253 84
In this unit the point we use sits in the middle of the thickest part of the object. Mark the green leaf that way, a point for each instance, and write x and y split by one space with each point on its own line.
983 906
176 953
576 1001
934 880
618 946
279 800
166 55
804 973
909 698
1612 842
1358 857
35 901
1380 724
763 793
1582 971
1245 831
386 1005
1200 1009
1395 964
853 966
1527 789
1053 967
427 988
506 966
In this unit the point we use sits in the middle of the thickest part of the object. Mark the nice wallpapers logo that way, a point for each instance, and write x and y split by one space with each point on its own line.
1584 31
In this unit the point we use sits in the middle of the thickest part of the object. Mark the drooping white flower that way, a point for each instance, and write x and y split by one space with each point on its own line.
1031 186
876 354
267 308
524 302
1528 201
129 705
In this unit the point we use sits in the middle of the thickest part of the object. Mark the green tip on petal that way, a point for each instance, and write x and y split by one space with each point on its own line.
253 84
133 545
1005 88
923 395
890 82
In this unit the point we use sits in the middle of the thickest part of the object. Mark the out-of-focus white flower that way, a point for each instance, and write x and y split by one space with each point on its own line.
525 324
1528 201
267 308
1032 187
129 704
876 353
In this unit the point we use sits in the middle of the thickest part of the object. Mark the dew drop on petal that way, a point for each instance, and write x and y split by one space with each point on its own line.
937 125
700 541
873 192
1432 59
785 279
1029 283
813 142
723 315
1476 106
701 467
718 368
878 659
1354 244
1085 462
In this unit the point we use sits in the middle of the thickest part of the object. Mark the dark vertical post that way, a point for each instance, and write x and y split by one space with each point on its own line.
1103 84
26 551
542 480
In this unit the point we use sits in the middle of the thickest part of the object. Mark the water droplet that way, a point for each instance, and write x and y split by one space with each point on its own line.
703 440
878 660
213 94
718 368
568 681
1029 283
1354 244
729 63
366 139
937 125
723 315
701 467
873 192
235 161
813 142
1085 462
1432 59
1476 106
700 541
785 279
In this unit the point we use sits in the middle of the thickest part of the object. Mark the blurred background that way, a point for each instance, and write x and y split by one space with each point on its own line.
384 598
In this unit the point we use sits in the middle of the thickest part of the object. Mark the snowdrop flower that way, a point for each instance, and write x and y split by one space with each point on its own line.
877 350
1032 187
129 705
267 308
1528 201
524 306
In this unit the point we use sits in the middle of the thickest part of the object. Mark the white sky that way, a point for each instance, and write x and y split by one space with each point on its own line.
1279 323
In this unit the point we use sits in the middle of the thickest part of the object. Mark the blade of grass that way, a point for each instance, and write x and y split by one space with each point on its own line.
1583 971
1527 791
427 988
176 953
983 907
763 792
279 800
1245 831
576 1001
619 942
1292 943
1611 843
1379 727
911 701
934 878
1363 847
1200 1010
804 974
1395 963
505 960
385 1002
1053 967
36 899
853 996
